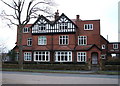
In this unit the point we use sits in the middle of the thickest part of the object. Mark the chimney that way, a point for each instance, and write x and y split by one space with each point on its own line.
56 15
77 17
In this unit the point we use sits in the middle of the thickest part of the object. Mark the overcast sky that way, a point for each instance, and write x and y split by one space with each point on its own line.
105 10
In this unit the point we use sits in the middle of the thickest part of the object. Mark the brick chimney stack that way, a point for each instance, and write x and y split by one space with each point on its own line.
77 17
56 15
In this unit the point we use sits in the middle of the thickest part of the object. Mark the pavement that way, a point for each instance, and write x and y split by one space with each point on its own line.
56 78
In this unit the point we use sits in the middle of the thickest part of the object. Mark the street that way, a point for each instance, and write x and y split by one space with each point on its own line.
56 78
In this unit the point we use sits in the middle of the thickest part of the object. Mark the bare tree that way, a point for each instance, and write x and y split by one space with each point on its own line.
23 12
3 50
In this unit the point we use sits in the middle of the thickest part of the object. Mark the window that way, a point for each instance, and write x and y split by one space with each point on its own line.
88 26
63 56
42 40
81 56
17 56
42 56
42 27
26 30
82 40
63 40
63 26
29 41
103 46
115 46
102 56
27 56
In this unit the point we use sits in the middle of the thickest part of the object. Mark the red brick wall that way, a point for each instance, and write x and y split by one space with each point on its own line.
111 50
105 42
93 36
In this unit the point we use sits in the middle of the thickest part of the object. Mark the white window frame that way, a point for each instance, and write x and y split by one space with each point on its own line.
40 54
42 40
42 27
29 42
63 26
81 56
115 46
103 46
63 40
26 30
27 56
88 25
63 54
103 56
83 39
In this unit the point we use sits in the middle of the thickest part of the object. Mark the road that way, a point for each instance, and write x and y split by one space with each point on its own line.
56 78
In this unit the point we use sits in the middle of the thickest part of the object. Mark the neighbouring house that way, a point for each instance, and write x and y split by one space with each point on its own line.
65 40
5 57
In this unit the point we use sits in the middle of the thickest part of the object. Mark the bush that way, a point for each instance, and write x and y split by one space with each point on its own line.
113 61
49 66
111 68
16 66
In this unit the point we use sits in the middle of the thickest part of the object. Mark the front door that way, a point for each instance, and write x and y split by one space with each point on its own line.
94 58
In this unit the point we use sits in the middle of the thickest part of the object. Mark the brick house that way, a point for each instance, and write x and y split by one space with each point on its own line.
65 40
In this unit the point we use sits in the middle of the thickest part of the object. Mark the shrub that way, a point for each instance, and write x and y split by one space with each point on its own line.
113 61
112 68
49 66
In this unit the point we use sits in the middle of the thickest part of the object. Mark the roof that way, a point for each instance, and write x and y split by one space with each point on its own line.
114 42
87 47
104 39
61 48
53 22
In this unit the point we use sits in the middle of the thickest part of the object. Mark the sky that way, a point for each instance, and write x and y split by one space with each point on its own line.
105 10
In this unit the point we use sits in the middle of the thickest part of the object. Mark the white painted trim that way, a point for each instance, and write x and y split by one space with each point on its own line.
68 59
42 44
80 55
30 55
62 39
87 26
79 39
114 46
42 54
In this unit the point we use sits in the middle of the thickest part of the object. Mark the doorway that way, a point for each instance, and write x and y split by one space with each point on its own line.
94 58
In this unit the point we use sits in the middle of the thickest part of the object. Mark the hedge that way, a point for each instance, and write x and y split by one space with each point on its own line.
49 66
61 67
111 68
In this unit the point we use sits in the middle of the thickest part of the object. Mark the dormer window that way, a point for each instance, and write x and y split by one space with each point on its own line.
25 30
115 46
42 27
88 26
103 46
63 26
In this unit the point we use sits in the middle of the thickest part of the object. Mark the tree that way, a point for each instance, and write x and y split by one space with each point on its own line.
23 12
12 55
3 50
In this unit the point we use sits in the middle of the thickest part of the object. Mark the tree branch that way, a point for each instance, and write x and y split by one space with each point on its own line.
8 5
10 21
5 14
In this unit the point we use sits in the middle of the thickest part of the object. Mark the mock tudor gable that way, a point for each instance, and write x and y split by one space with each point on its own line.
61 25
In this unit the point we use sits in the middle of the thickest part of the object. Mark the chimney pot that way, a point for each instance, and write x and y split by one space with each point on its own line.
77 17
